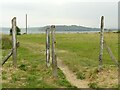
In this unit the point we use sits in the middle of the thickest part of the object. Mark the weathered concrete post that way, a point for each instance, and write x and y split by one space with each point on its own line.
14 41
48 47
54 58
101 42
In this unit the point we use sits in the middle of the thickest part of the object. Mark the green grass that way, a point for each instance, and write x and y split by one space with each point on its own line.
0 63
78 51
31 71
93 85
81 51
84 48
6 42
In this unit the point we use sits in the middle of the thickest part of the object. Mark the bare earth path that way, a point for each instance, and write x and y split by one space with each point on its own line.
71 77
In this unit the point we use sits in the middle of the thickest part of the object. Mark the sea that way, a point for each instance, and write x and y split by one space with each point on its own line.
39 30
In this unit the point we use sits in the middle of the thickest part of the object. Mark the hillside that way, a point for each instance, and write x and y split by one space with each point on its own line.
73 28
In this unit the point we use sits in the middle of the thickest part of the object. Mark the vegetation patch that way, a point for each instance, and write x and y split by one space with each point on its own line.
6 43
93 85
31 71
15 78
23 67
18 30
80 75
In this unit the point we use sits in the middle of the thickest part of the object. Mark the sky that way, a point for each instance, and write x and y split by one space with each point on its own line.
59 12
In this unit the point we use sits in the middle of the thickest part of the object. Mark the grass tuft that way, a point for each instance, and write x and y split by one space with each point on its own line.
93 85
80 75
23 67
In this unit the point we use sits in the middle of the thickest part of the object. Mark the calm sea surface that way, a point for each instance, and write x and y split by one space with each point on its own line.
37 31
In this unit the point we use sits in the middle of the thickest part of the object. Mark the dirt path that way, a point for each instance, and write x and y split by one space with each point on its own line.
71 77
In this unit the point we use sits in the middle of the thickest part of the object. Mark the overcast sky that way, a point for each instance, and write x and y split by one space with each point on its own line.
59 12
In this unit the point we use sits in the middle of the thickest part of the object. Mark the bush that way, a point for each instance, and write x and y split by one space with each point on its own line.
6 43
18 31
118 31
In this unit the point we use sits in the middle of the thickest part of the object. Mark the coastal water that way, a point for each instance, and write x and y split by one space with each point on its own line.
30 31
39 30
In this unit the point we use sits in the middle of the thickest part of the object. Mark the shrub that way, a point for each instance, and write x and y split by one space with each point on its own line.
18 31
118 31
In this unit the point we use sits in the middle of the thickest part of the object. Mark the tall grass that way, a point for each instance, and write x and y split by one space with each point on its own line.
6 42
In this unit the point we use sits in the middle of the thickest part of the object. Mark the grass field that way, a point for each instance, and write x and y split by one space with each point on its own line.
31 71
81 51
78 51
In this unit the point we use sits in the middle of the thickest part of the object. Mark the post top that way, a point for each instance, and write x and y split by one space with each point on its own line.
14 18
102 17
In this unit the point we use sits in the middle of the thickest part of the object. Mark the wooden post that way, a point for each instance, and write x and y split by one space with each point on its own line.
26 23
14 41
48 47
54 59
101 42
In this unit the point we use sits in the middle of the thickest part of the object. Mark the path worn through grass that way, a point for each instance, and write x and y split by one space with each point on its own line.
71 77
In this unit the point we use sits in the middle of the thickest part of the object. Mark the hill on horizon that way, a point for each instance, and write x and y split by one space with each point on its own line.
72 28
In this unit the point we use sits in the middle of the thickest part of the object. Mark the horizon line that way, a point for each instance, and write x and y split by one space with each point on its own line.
57 25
